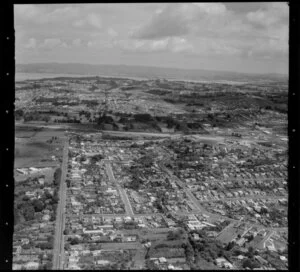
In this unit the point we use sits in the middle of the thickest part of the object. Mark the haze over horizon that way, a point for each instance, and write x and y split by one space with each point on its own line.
48 64
249 38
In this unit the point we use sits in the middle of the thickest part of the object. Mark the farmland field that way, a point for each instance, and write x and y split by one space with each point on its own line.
35 148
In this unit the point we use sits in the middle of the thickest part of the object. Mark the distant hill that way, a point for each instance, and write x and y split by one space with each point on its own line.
144 72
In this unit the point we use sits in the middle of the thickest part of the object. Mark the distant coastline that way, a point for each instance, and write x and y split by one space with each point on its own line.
50 70
20 76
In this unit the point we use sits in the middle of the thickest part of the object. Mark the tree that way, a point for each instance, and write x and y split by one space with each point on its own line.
53 216
48 266
38 205
189 252
143 117
250 252
51 239
26 246
66 231
28 212
55 199
57 176
25 198
250 263
173 235
67 247
74 241
230 245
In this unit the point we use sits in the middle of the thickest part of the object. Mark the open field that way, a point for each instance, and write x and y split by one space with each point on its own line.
119 246
37 148
227 235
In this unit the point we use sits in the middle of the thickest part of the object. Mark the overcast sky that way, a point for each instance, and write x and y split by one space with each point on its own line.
241 37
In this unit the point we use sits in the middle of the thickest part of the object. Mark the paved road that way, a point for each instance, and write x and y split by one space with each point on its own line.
263 242
58 250
128 133
188 192
122 192
233 221
243 198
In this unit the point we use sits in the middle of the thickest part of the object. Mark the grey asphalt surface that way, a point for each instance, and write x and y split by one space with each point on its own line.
58 249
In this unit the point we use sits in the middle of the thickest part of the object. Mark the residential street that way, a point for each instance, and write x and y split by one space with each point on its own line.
58 250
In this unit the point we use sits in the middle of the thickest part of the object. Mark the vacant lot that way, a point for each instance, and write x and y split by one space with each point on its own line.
227 235
37 149
119 246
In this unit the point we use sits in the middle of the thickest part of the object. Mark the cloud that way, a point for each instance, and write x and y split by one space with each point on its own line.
79 23
271 26
41 14
218 30
181 45
91 19
77 42
52 43
63 12
94 20
169 44
31 44
166 23
112 33
91 44
272 14
211 8
26 11
177 19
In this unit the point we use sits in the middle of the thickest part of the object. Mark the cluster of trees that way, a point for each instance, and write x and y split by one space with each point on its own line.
42 99
130 225
35 116
236 134
159 91
160 202
143 117
69 103
68 120
207 248
135 183
93 88
74 240
251 263
279 108
96 158
46 266
146 161
57 177
175 235
68 183
52 139
28 209
272 258
90 103
171 122
19 114
47 245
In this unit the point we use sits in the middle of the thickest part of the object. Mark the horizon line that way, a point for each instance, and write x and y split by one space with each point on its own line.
162 67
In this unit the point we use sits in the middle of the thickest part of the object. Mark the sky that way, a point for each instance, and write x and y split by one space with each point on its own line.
241 37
